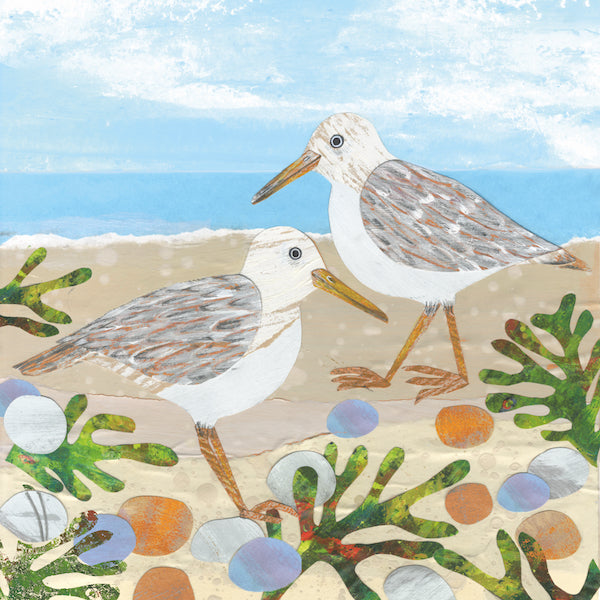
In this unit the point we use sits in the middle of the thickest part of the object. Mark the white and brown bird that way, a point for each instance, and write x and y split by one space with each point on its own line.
214 346
405 231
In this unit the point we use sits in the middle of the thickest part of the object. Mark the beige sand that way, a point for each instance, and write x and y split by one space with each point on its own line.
334 335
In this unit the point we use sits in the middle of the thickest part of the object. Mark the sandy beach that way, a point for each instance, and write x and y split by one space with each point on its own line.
334 335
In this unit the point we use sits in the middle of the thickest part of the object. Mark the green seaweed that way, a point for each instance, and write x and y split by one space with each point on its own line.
510 585
507 587
539 567
323 541
569 399
30 296
25 582
82 454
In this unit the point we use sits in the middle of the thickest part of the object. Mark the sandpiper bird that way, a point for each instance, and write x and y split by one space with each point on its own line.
405 231
215 346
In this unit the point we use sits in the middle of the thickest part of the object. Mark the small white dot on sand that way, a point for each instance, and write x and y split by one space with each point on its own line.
89 380
519 300
342 326
474 311
104 279
493 286
496 522
187 262
107 257
166 272
515 272
494 313
340 341
371 330
166 252
487 460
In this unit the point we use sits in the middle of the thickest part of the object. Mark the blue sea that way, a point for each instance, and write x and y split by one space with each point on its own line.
558 205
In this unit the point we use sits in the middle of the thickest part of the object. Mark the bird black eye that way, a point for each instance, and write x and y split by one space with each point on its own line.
336 141
295 253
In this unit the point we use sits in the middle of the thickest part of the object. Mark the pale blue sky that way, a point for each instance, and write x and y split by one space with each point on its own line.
239 85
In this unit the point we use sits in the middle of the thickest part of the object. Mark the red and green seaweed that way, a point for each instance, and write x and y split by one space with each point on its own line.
324 541
510 585
570 397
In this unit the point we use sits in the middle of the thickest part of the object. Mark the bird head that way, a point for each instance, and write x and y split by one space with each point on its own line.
287 266
345 148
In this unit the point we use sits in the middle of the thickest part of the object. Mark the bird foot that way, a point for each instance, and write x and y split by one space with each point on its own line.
258 512
443 381
355 377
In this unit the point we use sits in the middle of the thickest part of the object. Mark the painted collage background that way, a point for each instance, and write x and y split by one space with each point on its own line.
134 136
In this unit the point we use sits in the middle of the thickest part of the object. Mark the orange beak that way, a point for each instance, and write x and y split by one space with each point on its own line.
307 162
324 280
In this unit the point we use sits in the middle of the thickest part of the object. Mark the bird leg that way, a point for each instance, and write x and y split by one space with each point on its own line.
212 450
442 380
353 377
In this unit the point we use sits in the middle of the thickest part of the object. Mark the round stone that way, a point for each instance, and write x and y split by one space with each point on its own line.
563 469
35 423
352 418
219 540
523 492
416 581
554 531
264 565
34 516
281 477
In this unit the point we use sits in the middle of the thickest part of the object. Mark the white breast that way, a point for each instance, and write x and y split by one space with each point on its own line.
250 381
379 272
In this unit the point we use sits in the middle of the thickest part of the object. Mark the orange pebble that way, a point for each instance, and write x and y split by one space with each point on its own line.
162 583
464 426
469 503
554 531
161 525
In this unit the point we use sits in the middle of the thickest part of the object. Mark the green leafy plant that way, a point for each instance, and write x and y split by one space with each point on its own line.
25 582
30 296
510 585
569 399
83 453
323 541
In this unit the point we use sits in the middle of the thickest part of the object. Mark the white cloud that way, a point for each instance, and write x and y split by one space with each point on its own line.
493 63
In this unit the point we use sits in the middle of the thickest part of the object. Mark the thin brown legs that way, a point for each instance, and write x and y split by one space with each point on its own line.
353 377
212 450
440 380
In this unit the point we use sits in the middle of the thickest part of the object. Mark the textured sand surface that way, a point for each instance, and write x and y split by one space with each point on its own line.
334 334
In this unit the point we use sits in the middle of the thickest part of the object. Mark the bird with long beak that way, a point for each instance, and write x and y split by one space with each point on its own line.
214 346
408 232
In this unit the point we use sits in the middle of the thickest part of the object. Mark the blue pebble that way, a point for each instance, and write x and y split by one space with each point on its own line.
352 418
264 565
118 547
13 388
523 492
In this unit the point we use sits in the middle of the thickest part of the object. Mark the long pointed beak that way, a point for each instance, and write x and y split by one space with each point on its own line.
324 280
307 162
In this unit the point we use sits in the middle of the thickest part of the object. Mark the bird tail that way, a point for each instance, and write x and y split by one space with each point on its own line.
60 356
563 259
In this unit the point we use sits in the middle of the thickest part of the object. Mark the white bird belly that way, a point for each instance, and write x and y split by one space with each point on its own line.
250 381
375 269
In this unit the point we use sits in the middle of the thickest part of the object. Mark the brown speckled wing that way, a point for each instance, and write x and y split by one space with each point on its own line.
186 333
428 221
